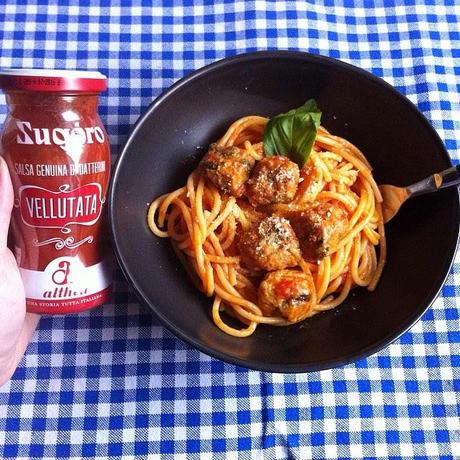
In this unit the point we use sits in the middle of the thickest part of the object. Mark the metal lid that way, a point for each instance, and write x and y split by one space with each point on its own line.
52 80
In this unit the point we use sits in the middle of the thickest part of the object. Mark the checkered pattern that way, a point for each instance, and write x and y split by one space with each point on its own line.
113 382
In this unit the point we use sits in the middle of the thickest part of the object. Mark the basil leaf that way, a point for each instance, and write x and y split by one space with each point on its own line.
292 134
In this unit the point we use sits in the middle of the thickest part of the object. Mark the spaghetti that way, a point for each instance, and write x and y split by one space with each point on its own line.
204 223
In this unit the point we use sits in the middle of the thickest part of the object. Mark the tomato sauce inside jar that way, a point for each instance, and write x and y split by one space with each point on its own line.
58 155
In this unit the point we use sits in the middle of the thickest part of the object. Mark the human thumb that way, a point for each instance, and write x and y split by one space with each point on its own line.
6 202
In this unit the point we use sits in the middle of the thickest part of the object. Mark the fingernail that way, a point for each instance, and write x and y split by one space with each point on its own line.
3 172
3 168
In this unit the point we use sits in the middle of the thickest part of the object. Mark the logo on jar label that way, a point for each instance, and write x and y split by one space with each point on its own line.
61 275
66 282
40 207
66 138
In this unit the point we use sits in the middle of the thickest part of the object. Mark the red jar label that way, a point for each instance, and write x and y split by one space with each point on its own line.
60 209
58 155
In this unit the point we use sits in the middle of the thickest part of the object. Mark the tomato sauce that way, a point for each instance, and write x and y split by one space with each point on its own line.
58 155
286 289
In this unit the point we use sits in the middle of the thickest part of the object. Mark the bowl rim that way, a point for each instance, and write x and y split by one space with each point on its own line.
246 363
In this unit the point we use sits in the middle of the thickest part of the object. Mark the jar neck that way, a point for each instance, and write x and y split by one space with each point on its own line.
52 100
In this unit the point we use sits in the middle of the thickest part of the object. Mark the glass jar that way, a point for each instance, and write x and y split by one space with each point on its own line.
58 155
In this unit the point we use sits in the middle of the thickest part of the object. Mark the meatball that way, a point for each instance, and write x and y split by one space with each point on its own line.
319 229
286 292
274 180
269 245
228 168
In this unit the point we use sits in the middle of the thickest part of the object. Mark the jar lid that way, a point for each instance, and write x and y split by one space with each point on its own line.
52 80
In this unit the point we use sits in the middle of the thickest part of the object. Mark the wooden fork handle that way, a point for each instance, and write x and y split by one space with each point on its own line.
444 179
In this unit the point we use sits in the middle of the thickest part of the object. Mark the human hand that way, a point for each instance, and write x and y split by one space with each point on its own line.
16 326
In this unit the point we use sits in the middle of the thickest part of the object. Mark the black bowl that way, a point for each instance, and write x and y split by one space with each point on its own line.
166 144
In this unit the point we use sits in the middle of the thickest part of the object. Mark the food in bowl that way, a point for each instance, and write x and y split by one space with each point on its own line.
280 221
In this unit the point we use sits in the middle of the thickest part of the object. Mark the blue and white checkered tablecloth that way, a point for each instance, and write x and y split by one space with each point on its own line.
113 383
